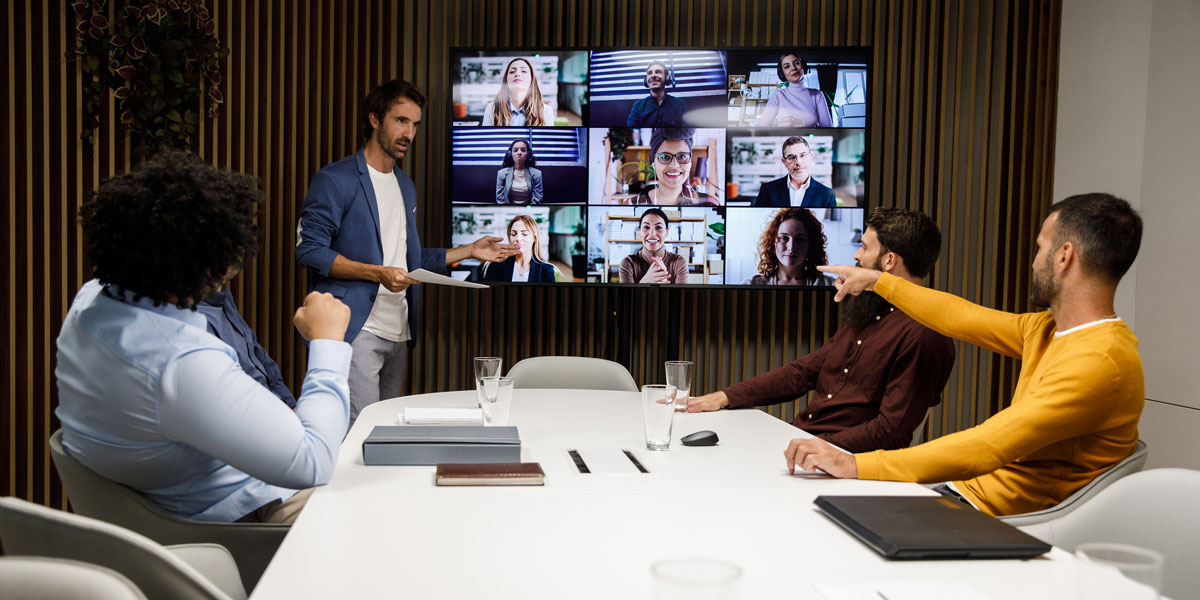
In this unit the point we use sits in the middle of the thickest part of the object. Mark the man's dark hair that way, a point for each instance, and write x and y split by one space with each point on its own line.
911 234
381 99
171 228
654 211
1105 229
795 139
660 135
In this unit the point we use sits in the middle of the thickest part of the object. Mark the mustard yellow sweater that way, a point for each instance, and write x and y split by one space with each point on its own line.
1073 416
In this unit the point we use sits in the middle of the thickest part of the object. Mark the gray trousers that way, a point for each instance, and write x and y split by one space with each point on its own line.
378 370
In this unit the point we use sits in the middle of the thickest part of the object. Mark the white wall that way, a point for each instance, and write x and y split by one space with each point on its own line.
1129 88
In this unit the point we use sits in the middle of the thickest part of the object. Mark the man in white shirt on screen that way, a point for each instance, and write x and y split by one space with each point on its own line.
798 187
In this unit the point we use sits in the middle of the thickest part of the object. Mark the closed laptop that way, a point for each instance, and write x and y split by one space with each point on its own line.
928 527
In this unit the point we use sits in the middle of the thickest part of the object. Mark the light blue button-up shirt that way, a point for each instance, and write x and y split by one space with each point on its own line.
149 398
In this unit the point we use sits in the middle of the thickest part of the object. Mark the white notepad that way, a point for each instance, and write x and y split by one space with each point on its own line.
441 415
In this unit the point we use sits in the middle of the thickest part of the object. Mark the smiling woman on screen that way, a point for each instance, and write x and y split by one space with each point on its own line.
652 263
796 104
671 153
791 249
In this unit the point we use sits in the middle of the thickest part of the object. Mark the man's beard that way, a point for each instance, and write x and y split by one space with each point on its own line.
1043 288
860 310
389 146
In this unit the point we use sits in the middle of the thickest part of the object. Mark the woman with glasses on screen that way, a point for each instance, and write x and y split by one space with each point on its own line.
652 263
517 181
527 264
795 105
791 249
671 154
519 102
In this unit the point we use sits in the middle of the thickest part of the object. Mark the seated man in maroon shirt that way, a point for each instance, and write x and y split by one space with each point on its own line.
881 372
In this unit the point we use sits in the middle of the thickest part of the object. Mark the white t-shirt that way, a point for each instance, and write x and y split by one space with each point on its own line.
518 274
519 183
389 315
796 193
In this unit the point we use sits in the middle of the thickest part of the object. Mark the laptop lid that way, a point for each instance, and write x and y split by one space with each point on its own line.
928 527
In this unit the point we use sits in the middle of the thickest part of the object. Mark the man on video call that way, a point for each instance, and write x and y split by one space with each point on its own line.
876 378
659 109
1074 413
358 237
798 187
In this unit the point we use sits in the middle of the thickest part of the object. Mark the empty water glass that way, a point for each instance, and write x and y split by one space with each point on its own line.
679 374
695 579
485 366
497 400
658 407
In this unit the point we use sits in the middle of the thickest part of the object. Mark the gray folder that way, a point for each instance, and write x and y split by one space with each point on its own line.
434 444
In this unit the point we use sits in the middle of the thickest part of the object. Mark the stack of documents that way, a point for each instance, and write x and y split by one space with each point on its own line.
441 415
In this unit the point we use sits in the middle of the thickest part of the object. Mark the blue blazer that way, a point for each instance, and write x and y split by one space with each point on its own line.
504 179
503 271
341 216
775 193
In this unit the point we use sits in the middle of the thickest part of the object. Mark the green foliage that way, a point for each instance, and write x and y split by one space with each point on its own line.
158 59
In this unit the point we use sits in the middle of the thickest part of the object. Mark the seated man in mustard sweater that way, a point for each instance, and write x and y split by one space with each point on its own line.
1075 410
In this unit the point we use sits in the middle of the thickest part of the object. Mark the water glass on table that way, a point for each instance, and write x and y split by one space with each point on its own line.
679 374
1100 563
485 366
695 579
658 408
497 400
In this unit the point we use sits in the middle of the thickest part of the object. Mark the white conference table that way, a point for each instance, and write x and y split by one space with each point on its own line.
383 531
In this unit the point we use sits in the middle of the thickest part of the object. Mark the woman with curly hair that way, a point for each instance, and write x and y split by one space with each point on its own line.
148 397
519 101
790 250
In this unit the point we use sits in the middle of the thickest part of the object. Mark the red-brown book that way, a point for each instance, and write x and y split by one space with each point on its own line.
491 474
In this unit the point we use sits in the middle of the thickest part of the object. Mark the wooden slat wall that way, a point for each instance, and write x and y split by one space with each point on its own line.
962 128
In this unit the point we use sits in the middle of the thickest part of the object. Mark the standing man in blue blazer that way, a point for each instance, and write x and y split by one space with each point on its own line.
358 237
797 188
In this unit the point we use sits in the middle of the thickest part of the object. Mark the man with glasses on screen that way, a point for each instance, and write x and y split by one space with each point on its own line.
659 109
877 377
797 188
358 238
1074 413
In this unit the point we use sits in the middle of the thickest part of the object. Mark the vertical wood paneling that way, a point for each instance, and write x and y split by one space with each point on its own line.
962 117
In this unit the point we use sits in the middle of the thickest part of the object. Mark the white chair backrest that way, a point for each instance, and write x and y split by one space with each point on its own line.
33 530
41 578
571 372
1155 509
1129 465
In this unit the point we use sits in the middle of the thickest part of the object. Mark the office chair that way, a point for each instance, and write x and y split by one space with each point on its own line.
1154 509
251 544
1129 465
41 578
200 571
572 373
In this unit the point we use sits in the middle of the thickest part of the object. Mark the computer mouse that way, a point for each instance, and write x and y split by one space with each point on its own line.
700 438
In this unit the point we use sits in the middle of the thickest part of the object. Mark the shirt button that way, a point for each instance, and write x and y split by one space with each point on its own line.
877 317
809 416
859 342
829 395
845 370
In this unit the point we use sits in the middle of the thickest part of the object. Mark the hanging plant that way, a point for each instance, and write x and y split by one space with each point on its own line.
158 59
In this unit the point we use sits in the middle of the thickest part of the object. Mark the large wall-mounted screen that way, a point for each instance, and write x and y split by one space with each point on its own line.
701 166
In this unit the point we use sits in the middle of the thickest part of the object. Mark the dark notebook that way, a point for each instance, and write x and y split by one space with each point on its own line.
928 527
491 474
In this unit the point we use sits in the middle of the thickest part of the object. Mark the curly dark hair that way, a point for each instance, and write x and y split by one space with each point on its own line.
768 264
172 228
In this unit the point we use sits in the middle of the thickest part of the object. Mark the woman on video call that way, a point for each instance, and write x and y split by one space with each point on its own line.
519 101
517 181
791 249
795 105
671 153
652 263
527 264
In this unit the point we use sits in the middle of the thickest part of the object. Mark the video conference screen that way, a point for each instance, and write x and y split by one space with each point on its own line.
702 167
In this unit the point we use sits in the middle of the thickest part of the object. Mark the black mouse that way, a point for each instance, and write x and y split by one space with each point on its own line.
700 438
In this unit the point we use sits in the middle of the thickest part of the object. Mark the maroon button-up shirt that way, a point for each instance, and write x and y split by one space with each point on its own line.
873 384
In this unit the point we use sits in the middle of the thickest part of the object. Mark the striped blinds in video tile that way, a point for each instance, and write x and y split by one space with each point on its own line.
552 146
619 74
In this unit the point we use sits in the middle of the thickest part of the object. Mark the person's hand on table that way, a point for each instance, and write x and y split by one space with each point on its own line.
851 280
813 454
395 279
708 402
657 273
